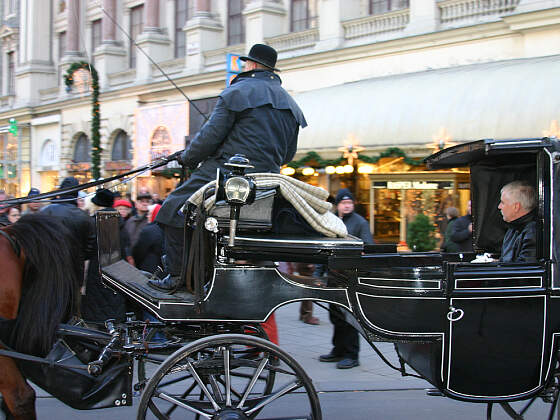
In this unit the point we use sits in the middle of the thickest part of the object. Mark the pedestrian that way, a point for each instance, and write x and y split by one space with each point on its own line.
462 231
78 222
124 207
13 215
100 303
149 248
448 244
82 204
255 117
135 223
33 207
306 306
346 340
4 209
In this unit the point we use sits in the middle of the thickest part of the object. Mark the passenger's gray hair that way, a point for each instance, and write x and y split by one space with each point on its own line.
521 192
452 212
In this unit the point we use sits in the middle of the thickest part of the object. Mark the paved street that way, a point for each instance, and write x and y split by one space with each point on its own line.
370 391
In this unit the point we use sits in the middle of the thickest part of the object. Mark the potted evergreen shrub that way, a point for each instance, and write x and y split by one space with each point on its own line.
420 234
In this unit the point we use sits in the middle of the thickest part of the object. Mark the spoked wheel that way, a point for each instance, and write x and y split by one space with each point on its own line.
230 377
172 337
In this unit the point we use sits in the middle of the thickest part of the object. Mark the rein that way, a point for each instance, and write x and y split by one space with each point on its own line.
13 243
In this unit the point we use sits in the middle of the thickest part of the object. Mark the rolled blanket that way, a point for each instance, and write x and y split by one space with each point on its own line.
308 200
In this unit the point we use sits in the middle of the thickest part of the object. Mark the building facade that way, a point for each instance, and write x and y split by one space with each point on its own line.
383 84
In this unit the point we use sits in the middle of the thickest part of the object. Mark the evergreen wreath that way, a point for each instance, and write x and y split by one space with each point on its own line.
95 115
314 160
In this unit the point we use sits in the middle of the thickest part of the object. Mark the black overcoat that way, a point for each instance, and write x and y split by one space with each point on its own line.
254 116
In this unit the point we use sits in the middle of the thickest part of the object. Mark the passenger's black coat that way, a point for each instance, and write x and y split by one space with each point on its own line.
520 240
254 116
149 248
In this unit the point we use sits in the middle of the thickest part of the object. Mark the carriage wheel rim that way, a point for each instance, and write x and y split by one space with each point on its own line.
210 403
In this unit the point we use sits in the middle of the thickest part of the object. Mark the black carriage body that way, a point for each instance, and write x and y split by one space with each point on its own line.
478 332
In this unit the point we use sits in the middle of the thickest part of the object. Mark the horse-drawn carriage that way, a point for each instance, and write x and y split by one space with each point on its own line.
478 332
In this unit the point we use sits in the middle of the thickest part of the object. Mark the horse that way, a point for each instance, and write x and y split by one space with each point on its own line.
40 277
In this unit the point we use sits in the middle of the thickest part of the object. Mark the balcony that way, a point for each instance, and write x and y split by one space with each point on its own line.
294 40
376 24
458 11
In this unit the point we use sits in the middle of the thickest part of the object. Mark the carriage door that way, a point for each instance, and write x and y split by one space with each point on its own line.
495 338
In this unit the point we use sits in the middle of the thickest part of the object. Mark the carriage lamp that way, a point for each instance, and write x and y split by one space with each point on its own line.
238 190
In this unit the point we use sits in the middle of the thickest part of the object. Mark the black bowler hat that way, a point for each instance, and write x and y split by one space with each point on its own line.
103 198
262 54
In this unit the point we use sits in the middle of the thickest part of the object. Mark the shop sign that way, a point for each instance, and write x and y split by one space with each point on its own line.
413 185
117 166
78 167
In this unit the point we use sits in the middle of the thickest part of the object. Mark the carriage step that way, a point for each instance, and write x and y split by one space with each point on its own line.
434 392
131 278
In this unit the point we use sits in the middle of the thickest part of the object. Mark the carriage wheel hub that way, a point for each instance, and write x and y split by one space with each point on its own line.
230 414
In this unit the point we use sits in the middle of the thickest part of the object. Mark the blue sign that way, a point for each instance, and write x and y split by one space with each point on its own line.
234 66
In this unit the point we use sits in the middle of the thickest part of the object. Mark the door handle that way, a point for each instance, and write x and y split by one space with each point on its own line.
455 314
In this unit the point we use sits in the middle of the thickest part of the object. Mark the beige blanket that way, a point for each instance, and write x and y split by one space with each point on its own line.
308 200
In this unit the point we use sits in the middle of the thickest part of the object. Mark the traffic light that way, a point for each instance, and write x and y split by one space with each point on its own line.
13 126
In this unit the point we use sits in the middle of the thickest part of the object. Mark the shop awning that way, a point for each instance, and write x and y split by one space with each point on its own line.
500 100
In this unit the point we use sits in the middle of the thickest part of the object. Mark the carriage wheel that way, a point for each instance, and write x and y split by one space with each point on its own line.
229 377
145 365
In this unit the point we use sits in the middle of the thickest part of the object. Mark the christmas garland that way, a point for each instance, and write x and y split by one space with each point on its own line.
95 116
314 160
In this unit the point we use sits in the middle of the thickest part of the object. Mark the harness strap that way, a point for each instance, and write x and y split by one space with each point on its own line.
13 242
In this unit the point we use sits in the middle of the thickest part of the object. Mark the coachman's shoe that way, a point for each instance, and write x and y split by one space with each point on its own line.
330 358
347 363
168 284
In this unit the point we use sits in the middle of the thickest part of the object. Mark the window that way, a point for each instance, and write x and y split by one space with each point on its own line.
184 10
11 74
48 153
303 15
122 147
11 7
95 35
81 150
377 7
61 44
236 23
136 28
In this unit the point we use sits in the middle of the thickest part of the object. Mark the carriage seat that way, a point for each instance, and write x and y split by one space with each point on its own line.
253 217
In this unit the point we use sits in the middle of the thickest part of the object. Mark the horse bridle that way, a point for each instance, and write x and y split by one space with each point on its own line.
13 242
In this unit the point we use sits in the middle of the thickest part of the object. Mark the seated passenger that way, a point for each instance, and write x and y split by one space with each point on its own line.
517 204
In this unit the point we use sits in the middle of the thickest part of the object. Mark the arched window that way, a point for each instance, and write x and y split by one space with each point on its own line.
48 153
122 147
82 149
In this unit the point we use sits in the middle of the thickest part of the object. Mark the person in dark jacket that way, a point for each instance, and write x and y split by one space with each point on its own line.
346 340
448 245
149 248
100 303
517 204
136 222
462 231
79 223
254 116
